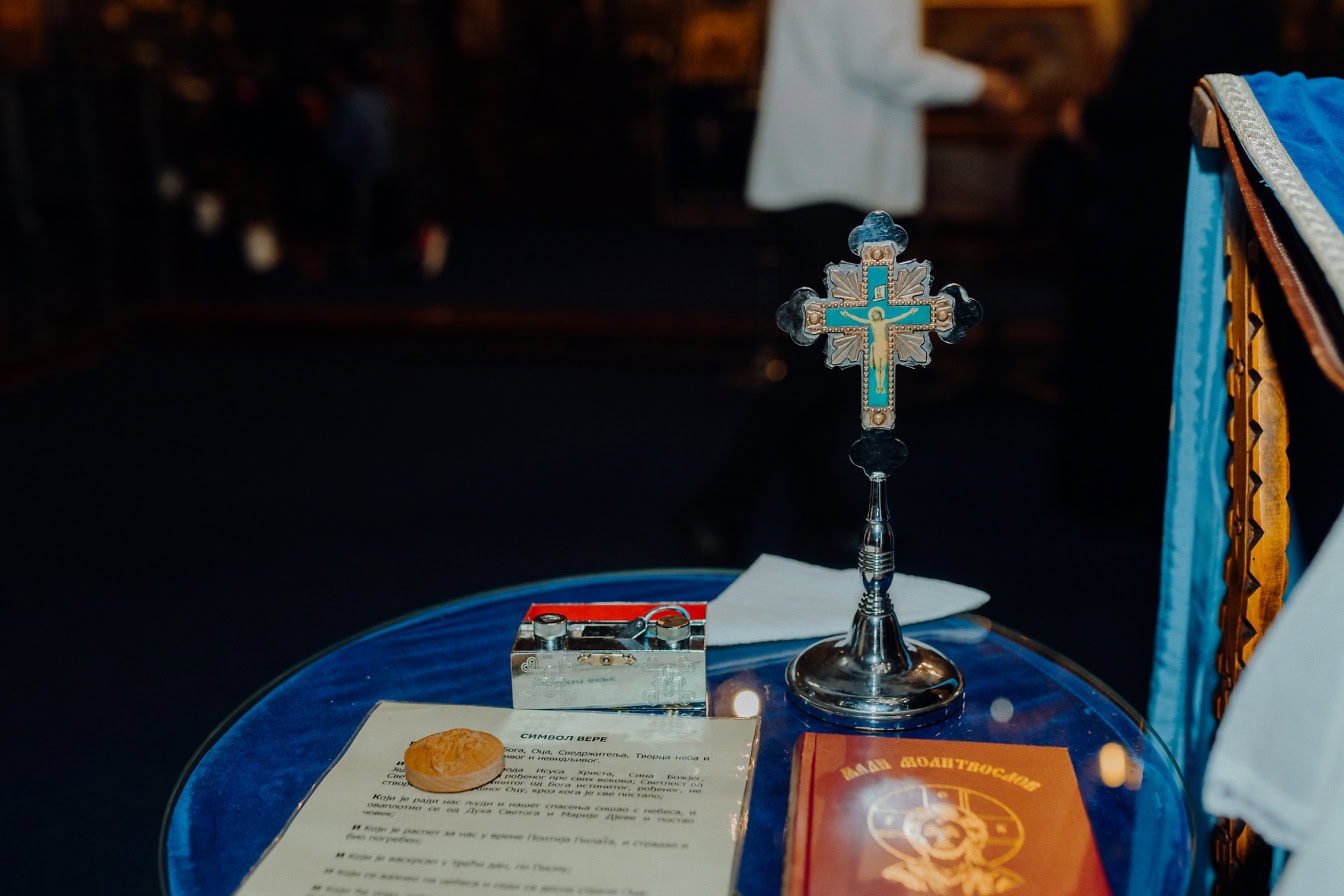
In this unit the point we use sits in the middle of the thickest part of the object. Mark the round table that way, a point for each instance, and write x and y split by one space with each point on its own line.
244 782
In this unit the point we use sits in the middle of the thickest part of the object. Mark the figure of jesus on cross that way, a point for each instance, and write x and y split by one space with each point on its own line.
878 314
878 350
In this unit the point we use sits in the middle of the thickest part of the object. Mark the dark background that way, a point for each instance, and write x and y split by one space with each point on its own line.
213 469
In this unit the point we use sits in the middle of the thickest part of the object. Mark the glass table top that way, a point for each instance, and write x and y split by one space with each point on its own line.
240 788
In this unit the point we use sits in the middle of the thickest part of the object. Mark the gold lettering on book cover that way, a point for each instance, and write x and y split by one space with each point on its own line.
947 840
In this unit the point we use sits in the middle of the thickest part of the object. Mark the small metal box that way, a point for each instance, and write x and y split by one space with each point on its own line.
621 656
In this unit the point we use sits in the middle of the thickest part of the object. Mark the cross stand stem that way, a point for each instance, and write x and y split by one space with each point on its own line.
873 678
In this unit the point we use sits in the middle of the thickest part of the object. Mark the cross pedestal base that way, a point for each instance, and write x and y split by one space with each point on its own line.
833 681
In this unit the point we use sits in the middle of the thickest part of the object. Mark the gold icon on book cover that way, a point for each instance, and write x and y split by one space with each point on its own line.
948 841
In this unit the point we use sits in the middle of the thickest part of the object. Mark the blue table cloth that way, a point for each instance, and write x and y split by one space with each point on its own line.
1290 127
241 788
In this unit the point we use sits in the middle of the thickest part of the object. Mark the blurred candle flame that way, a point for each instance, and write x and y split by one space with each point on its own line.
746 704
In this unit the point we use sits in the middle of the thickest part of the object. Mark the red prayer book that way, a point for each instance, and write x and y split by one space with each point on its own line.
898 815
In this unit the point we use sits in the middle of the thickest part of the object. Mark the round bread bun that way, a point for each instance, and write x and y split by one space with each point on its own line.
454 760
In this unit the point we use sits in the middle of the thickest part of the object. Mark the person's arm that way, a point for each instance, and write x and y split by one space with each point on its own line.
1002 92
881 44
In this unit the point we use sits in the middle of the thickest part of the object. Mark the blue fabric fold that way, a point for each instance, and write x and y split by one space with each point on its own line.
1195 538
1303 116
1306 115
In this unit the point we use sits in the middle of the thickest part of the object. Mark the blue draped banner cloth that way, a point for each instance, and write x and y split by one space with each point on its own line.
1292 129
241 788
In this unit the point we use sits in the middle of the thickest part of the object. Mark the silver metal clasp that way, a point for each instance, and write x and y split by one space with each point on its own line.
607 659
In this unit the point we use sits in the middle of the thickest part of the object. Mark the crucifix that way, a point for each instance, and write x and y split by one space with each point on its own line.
878 314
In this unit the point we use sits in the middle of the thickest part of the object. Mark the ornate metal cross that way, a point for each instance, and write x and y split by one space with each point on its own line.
878 313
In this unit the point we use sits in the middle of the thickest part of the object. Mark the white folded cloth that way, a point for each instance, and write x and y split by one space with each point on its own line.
777 599
1278 758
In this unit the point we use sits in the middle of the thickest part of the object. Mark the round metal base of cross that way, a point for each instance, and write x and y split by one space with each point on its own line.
827 682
